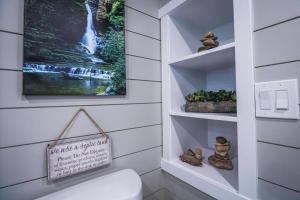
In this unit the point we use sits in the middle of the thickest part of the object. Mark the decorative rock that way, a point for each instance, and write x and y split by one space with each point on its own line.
209 41
221 154
222 148
212 38
192 158
221 158
221 140
198 153
190 152
220 163
209 35
204 48
226 157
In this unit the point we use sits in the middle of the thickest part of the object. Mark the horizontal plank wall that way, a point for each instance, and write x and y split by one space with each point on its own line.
271 12
270 165
28 124
270 48
149 7
277 59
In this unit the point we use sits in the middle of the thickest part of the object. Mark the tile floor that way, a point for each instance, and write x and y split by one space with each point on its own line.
175 189
165 194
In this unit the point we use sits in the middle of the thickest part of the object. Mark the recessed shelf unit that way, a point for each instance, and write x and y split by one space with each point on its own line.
228 66
206 174
227 117
208 60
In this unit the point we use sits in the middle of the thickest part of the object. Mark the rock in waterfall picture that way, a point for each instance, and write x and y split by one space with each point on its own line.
74 47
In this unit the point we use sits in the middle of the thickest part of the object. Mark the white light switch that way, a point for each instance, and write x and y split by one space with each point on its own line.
277 99
282 99
265 100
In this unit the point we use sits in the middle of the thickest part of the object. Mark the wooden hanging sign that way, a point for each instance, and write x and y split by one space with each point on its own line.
74 157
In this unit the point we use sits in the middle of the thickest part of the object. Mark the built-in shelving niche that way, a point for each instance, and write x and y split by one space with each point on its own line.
213 69
210 70
201 133
195 18
185 80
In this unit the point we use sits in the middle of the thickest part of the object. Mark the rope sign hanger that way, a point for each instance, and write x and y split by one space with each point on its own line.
101 132
70 158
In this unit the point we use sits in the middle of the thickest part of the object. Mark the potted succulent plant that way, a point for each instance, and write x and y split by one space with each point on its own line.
211 102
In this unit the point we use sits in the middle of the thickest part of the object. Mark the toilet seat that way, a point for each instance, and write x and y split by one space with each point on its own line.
121 185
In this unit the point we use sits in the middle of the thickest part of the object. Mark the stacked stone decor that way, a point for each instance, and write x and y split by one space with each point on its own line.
209 41
221 158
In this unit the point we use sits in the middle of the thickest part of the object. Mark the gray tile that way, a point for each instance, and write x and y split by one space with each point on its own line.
165 194
151 197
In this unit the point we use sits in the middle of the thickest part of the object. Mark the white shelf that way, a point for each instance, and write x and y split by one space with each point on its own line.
205 14
229 117
199 176
219 57
206 177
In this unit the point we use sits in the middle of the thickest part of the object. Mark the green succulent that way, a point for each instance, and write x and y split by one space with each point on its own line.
203 96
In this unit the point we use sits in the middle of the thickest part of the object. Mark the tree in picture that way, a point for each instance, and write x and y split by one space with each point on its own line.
74 47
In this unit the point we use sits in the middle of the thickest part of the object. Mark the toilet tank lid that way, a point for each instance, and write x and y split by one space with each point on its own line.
123 184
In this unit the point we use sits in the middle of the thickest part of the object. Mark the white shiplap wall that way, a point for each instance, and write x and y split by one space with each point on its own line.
277 47
28 124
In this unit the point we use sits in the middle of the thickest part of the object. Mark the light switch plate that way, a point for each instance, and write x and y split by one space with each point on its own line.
277 99
282 99
265 100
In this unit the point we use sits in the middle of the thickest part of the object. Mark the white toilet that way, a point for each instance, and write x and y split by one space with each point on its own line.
121 185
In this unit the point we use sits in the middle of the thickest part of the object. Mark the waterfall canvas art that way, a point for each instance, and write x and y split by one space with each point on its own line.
74 47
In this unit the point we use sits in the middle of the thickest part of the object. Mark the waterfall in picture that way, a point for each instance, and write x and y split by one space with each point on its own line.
89 38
